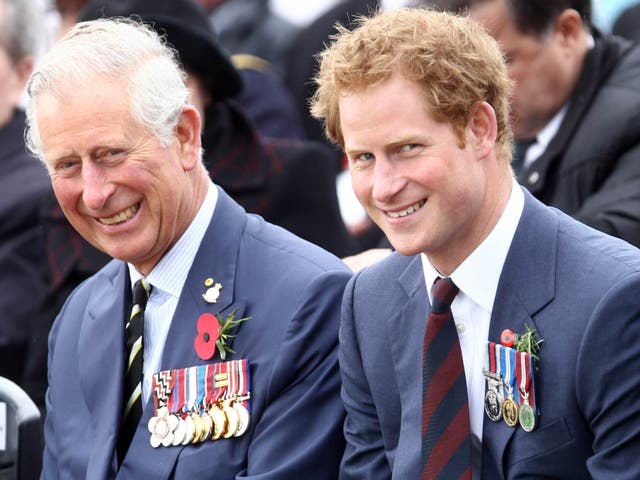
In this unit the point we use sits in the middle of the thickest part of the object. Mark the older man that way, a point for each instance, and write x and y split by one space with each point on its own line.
223 360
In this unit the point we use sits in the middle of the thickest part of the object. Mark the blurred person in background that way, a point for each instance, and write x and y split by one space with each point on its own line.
23 183
575 109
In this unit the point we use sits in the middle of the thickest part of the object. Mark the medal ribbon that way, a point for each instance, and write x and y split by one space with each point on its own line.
221 386
200 375
508 367
523 377
192 388
532 388
491 357
154 389
244 382
210 385
498 354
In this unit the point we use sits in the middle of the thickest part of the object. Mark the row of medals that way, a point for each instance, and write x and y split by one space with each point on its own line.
498 408
223 419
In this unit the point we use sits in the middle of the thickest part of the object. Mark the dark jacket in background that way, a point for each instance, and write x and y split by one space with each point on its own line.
591 168
23 182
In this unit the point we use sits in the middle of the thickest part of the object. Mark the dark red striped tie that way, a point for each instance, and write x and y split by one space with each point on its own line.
446 434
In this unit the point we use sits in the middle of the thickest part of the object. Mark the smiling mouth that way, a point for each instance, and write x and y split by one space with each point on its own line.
408 210
120 217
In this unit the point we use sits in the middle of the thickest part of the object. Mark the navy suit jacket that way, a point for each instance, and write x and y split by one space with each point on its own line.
579 289
291 291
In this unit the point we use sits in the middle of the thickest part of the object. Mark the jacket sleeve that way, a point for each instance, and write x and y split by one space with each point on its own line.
608 381
364 455
614 208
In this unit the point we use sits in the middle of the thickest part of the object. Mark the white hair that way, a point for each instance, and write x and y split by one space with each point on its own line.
117 49
21 30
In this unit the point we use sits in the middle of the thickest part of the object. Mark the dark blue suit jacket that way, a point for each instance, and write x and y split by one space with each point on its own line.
580 290
290 289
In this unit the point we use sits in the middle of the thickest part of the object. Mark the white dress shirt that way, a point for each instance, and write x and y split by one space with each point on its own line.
477 278
167 279
544 136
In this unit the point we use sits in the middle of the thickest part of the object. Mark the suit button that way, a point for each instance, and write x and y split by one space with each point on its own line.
533 178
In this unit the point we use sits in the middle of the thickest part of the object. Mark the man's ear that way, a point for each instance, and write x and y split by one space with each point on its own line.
188 136
568 26
483 128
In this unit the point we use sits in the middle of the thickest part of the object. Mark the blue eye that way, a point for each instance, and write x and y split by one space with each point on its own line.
365 156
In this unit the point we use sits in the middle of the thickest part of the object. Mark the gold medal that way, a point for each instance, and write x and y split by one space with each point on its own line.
219 422
197 427
232 420
243 418
510 412
207 425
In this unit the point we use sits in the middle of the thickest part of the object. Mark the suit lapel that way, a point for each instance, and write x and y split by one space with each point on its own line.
101 365
526 286
216 258
405 328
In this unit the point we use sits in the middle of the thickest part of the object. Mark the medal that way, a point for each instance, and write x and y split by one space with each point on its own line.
527 417
180 432
509 406
232 420
190 430
243 418
510 412
524 376
493 399
161 426
219 422
197 427
493 405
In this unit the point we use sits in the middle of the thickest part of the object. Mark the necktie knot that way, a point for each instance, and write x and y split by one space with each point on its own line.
444 291
141 292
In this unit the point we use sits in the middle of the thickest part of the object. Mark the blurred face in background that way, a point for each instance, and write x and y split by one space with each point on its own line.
545 68
13 78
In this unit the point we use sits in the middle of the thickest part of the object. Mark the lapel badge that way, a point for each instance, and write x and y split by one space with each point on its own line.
213 290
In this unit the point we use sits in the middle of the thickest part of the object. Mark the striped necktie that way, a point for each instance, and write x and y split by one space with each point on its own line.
446 437
132 391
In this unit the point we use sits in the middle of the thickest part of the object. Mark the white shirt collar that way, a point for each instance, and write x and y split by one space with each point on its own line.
171 271
478 275
545 136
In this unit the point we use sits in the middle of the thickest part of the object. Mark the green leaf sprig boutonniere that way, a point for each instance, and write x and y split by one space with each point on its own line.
528 342
226 327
